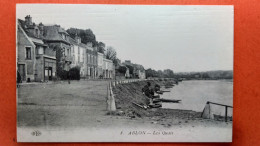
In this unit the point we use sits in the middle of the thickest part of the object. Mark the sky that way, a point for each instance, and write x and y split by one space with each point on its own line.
181 38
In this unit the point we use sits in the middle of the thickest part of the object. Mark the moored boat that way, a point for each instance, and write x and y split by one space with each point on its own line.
170 100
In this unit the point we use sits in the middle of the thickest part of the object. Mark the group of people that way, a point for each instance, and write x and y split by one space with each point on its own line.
149 91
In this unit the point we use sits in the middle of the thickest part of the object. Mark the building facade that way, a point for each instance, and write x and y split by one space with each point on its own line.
58 39
138 70
108 69
100 64
45 52
36 61
78 50
91 61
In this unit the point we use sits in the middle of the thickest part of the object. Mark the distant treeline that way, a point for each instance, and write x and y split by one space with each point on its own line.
151 73
208 75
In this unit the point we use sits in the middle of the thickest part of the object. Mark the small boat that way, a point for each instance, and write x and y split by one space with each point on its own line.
170 100
168 87
156 96
159 92
155 105
156 100
165 91
139 105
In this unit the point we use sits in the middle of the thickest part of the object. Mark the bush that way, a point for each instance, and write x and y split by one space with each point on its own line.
122 69
74 73
63 74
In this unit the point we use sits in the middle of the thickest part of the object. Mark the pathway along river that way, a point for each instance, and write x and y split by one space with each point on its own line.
195 93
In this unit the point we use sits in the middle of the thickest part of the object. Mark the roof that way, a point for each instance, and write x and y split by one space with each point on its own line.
61 30
26 27
19 27
108 60
73 41
52 33
83 45
37 41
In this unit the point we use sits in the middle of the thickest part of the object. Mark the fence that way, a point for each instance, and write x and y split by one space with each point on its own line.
217 111
125 81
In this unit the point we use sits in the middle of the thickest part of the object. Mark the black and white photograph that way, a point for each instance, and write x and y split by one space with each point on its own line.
124 73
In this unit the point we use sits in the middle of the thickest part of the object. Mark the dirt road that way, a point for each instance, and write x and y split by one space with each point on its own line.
62 105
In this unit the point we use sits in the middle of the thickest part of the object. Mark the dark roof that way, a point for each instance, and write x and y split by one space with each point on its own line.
61 30
26 27
82 45
73 41
38 41
52 33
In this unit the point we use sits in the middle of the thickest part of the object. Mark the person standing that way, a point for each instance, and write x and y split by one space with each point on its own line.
148 91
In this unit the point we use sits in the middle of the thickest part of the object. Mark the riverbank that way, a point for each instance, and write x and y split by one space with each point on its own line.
127 94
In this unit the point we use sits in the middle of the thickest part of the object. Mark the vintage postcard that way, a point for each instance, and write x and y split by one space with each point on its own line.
124 73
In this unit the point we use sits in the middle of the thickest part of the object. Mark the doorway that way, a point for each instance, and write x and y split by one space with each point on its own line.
21 69
48 73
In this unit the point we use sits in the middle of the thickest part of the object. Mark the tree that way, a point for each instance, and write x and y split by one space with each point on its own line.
59 59
168 73
111 54
122 69
101 47
131 69
160 73
86 35
151 73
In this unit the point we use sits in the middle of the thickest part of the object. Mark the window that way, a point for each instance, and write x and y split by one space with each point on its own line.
28 52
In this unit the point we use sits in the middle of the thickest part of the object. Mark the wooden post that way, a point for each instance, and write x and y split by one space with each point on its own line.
226 112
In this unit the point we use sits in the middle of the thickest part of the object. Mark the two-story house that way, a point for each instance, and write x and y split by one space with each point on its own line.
78 50
100 64
108 69
36 61
91 61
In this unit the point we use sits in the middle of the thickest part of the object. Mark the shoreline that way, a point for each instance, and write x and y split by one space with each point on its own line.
125 94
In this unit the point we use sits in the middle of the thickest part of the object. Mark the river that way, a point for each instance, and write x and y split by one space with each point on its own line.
195 93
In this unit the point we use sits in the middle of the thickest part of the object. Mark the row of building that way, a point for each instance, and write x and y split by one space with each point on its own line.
138 70
44 49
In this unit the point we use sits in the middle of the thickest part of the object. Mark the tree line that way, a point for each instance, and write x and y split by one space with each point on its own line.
167 73
207 75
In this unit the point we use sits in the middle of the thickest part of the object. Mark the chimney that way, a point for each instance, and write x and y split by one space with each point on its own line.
28 20
78 39
41 29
